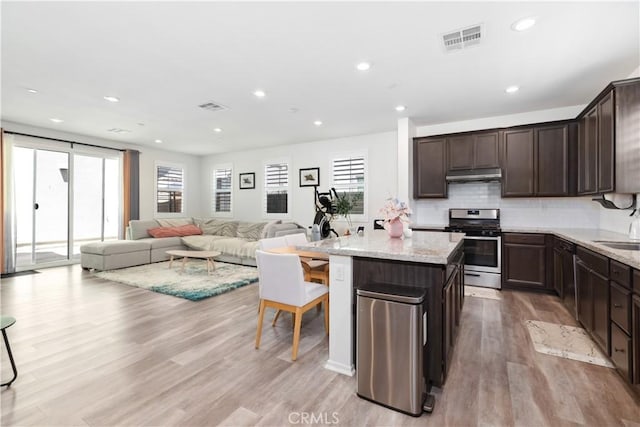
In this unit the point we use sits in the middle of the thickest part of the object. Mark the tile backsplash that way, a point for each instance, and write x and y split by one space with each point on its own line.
558 212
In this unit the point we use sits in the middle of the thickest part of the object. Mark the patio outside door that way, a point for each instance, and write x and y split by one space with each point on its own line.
42 206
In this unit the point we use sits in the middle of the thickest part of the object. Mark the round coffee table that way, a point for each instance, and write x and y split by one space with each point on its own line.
206 255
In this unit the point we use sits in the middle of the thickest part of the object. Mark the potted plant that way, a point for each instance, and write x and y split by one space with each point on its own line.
344 205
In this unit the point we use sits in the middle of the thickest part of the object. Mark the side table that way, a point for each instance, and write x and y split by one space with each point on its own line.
5 322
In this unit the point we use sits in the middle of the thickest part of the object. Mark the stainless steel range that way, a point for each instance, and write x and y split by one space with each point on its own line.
482 245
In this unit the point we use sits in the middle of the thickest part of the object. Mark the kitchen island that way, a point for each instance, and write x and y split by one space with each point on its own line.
428 260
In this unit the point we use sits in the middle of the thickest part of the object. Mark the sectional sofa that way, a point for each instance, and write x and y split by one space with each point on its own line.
237 241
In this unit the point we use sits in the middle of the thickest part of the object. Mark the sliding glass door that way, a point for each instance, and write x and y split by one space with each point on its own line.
63 200
42 203
95 200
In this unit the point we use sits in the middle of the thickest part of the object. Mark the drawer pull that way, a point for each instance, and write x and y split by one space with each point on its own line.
618 350
617 306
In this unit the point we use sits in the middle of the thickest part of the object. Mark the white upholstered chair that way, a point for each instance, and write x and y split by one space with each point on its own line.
272 243
282 286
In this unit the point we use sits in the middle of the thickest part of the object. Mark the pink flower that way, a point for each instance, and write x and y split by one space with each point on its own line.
395 209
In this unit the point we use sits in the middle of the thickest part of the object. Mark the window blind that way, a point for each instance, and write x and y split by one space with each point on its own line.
348 180
276 188
222 190
170 186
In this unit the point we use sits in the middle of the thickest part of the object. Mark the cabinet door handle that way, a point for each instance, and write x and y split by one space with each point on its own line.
617 306
618 350
472 274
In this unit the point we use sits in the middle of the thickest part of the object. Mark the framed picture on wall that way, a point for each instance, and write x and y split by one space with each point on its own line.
247 180
310 177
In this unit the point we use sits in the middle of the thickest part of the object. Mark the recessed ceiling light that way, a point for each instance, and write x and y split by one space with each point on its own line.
217 130
158 141
111 98
401 108
363 66
317 123
32 91
57 120
259 93
523 24
512 89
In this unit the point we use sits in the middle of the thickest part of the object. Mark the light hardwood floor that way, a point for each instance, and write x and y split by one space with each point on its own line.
93 352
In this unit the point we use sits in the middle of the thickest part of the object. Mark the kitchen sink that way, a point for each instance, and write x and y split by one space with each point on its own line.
627 246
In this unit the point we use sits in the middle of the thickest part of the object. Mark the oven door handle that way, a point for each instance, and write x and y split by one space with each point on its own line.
496 238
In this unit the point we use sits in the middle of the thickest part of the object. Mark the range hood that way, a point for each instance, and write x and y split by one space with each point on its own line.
470 175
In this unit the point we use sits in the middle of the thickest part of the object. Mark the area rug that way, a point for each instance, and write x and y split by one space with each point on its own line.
478 292
193 284
565 341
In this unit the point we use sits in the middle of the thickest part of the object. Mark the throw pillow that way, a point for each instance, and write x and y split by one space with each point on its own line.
179 231
218 227
250 230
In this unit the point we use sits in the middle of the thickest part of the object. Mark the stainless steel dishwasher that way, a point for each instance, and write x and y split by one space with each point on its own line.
391 340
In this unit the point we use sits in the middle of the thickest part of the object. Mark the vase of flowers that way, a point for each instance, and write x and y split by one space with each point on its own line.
396 213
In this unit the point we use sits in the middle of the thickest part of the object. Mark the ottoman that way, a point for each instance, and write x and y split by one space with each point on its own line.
114 254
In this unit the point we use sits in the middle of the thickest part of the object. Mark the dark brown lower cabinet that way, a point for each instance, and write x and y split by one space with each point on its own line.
600 324
635 337
451 308
524 261
443 286
585 295
621 352
448 322
592 283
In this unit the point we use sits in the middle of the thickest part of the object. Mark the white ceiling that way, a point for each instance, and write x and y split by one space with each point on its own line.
163 59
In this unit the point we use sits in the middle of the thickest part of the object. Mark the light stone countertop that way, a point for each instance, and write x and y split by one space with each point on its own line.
423 246
585 237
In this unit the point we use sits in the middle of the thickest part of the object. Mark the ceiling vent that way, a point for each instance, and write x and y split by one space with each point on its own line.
212 106
459 39
118 130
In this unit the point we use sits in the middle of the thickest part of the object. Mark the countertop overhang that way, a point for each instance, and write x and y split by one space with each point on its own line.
421 247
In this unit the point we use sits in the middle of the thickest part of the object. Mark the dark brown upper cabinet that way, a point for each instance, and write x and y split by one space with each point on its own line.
596 159
609 141
429 168
537 161
587 153
555 159
473 151
606 159
517 168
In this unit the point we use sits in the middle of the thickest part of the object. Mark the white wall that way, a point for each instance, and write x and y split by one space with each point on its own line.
381 152
148 157
616 220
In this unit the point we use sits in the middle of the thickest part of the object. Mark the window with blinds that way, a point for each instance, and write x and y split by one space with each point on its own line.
276 186
349 180
169 189
222 190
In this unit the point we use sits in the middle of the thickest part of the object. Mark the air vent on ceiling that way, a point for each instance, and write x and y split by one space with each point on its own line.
459 39
118 130
212 106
